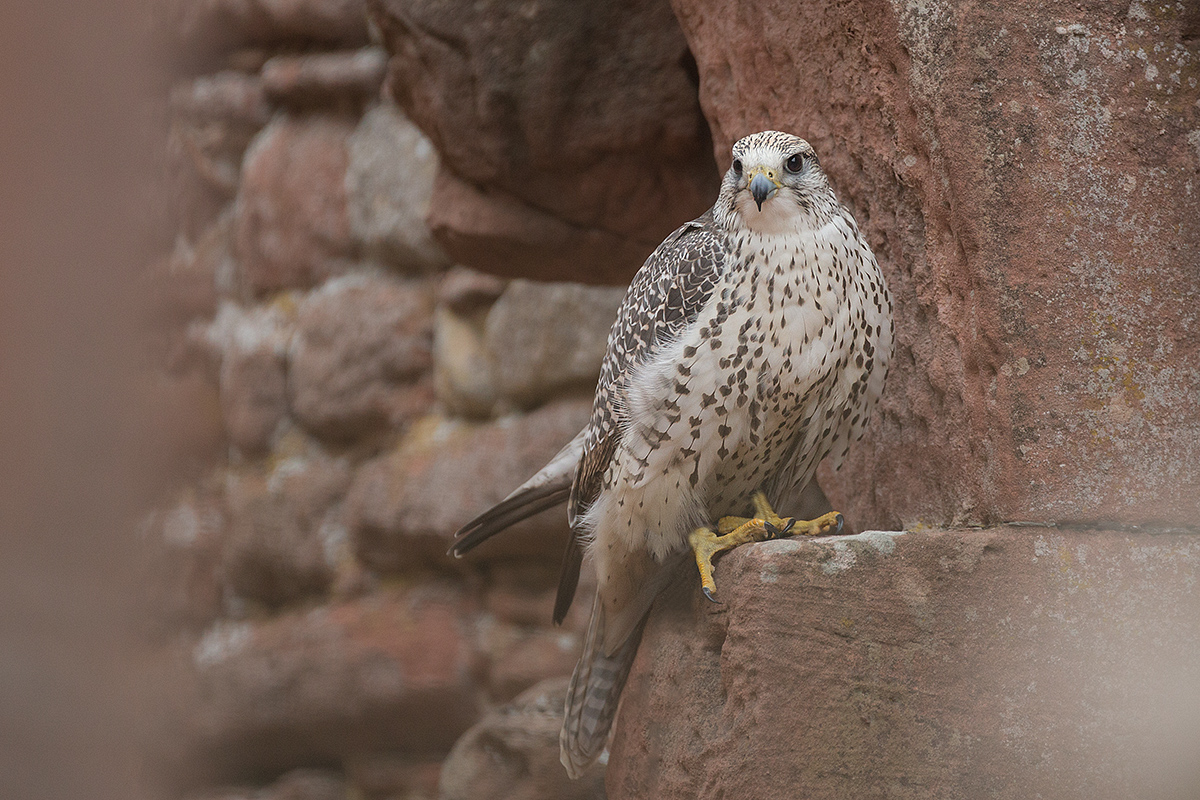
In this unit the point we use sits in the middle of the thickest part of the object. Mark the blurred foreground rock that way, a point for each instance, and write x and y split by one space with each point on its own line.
1006 663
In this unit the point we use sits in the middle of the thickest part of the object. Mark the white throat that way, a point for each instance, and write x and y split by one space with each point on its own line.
780 214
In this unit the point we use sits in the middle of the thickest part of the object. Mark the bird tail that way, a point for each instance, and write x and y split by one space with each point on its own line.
594 692
548 488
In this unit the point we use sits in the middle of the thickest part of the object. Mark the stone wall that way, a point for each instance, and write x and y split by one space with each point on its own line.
342 389
339 399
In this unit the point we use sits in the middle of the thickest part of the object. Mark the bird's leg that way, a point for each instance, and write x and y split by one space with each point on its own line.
764 525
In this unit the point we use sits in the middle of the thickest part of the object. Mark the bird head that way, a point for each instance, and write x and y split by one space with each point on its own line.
775 184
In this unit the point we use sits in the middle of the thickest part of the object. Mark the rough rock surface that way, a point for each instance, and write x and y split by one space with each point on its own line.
392 671
285 530
570 135
293 229
341 80
299 784
1009 164
535 342
1007 663
513 753
389 181
208 26
403 508
361 356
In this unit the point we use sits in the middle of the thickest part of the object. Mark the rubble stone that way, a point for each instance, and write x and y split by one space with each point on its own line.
292 225
389 181
513 753
361 356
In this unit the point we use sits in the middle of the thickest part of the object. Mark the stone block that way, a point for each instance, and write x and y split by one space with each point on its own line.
361 356
389 182
513 753
390 672
571 137
285 529
292 225
341 80
535 342
1006 663
404 507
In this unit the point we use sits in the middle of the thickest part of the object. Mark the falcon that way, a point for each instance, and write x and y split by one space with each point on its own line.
751 345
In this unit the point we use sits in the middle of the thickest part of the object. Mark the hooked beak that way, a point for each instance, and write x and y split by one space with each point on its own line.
762 187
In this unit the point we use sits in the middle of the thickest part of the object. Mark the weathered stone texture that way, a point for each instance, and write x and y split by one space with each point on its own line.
285 529
292 225
389 181
1008 663
1009 165
361 356
403 508
393 671
570 135
341 80
208 26
535 342
513 753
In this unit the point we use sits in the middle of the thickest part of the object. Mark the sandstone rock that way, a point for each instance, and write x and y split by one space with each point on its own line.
285 529
180 575
386 776
571 138
299 784
209 26
465 291
253 397
390 672
389 182
403 508
1007 663
535 342
345 79
360 359
513 753
250 344
529 657
213 120
292 224
546 339
1008 164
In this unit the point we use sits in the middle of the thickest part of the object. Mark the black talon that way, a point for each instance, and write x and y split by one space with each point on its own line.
709 595
787 529
772 531
840 523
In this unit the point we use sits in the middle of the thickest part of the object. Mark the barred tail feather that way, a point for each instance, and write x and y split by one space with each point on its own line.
593 694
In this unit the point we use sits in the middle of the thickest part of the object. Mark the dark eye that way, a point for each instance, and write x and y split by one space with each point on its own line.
795 163
737 166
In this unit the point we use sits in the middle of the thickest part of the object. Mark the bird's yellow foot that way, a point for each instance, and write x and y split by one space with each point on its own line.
764 525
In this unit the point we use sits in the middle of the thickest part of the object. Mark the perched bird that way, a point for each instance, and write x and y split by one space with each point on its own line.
752 344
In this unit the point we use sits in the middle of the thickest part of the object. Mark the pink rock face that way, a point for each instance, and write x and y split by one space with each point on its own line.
403 509
292 225
1028 176
512 753
361 356
390 672
571 138
1010 663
